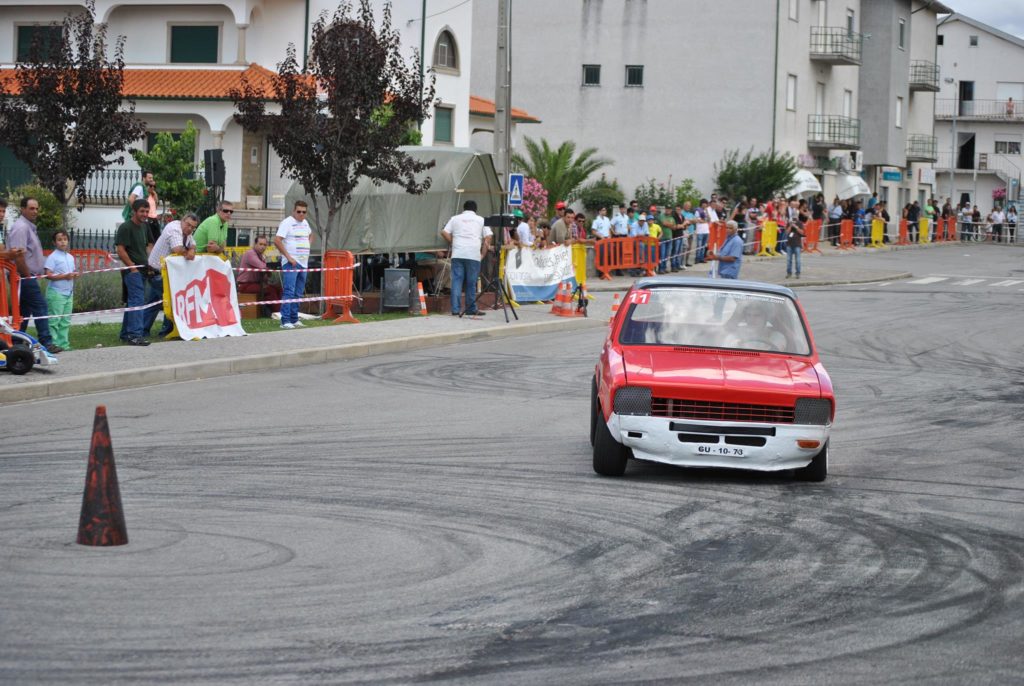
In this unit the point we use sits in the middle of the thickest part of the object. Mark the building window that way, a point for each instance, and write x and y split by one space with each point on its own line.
899 113
635 75
973 41
822 13
49 37
902 34
940 39
443 124
591 74
791 92
195 44
794 10
851 22
1007 147
847 103
445 53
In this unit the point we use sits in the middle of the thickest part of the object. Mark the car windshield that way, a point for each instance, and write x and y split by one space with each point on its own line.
711 318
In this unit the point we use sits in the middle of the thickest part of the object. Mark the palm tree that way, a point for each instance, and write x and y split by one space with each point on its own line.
559 170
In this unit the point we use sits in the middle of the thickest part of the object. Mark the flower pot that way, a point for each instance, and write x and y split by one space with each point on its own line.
254 202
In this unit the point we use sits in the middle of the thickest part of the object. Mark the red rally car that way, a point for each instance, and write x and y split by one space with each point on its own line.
702 372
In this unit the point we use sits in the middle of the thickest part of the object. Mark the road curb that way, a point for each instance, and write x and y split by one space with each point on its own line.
226 366
897 276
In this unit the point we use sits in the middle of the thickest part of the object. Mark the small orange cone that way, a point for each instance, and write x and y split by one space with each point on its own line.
615 308
102 519
566 309
423 299
556 306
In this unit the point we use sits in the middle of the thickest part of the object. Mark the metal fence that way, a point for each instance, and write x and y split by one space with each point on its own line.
995 110
831 130
105 187
836 44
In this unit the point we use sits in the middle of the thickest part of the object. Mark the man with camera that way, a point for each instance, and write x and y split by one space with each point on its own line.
470 240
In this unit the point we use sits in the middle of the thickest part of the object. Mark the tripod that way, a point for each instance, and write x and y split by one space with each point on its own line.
492 283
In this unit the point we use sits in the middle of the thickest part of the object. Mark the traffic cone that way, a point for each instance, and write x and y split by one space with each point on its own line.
566 302
423 299
102 519
556 306
615 308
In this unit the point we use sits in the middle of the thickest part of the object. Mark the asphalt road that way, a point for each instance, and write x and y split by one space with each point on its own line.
433 517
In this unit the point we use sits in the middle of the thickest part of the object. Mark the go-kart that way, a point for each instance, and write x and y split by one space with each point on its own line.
24 353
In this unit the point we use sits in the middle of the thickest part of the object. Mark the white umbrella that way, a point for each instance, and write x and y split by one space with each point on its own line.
850 186
804 183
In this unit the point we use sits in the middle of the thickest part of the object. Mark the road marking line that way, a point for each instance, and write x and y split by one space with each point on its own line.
928 280
1007 283
884 283
968 282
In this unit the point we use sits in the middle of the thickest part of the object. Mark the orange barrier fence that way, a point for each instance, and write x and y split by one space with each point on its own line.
951 234
9 307
846 235
337 284
637 252
904 237
812 236
716 235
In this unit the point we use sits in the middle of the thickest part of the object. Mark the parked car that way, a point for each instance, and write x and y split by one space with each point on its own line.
702 372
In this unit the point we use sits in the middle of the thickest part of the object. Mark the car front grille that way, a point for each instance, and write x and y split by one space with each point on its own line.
721 412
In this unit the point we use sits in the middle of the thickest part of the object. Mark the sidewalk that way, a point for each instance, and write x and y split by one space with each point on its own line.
101 369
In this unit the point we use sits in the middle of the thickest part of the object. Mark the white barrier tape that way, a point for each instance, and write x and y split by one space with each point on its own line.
300 300
113 311
313 269
82 273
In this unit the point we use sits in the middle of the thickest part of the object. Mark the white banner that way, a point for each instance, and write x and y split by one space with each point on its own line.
203 298
535 274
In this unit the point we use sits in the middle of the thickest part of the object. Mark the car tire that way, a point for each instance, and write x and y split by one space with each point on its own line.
817 470
20 360
595 408
609 455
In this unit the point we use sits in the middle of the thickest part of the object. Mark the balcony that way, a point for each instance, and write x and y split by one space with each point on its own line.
833 131
979 110
924 76
835 45
922 148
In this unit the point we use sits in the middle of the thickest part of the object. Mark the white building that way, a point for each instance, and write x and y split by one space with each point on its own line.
664 88
183 59
982 100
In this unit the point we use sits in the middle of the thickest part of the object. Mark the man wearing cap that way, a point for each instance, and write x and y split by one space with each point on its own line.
561 228
523 235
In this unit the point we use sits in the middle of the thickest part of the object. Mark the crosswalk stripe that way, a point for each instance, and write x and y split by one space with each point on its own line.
1007 283
928 280
967 282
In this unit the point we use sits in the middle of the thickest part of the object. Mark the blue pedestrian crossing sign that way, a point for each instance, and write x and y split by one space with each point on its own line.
515 190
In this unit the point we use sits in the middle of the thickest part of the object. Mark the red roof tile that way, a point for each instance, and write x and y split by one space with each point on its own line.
485 107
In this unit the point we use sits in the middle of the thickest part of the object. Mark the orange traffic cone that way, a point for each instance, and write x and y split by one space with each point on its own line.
102 519
556 306
615 308
566 309
423 299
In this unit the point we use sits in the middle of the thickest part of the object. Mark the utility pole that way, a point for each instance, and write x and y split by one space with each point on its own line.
503 94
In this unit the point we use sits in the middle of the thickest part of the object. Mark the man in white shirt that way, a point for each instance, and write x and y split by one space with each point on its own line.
470 241
175 239
523 233
292 241
704 219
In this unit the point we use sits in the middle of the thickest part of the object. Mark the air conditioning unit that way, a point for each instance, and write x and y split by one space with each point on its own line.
856 161
841 162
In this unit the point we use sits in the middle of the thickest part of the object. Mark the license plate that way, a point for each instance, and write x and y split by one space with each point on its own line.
722 450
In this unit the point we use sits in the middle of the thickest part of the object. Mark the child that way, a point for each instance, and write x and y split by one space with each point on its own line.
60 270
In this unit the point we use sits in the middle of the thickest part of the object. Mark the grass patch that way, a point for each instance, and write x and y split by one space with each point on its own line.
108 335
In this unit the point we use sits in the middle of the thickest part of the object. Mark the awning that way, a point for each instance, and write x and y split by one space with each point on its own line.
804 183
850 186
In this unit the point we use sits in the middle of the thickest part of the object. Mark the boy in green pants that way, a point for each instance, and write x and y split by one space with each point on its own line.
60 270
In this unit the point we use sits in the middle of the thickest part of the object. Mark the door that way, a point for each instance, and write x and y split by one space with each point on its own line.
277 184
965 151
966 98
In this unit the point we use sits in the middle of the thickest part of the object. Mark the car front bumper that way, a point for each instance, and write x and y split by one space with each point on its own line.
695 443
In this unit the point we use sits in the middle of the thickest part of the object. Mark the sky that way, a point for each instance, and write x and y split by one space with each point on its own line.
1005 15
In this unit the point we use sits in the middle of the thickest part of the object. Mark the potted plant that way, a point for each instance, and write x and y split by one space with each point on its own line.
254 197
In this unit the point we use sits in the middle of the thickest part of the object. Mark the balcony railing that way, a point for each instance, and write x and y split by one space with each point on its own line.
922 148
833 131
835 45
924 76
991 110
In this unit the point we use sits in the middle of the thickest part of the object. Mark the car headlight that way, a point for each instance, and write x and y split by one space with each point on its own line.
813 411
633 400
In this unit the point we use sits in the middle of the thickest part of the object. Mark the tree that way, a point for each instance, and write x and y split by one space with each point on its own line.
172 162
762 176
559 170
63 114
601 193
345 115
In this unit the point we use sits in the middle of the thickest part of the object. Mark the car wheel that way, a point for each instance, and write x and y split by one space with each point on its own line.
817 470
19 360
609 455
595 408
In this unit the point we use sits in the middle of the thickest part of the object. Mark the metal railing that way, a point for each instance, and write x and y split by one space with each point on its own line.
836 44
996 110
924 75
104 187
922 148
833 131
